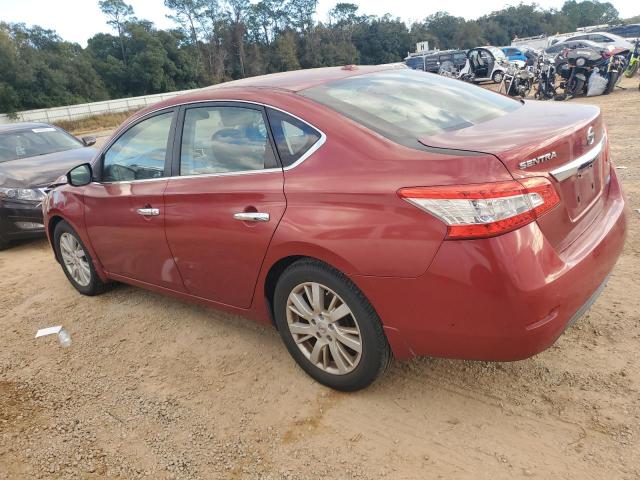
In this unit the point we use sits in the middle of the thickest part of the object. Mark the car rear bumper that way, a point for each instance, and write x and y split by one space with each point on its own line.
503 298
19 221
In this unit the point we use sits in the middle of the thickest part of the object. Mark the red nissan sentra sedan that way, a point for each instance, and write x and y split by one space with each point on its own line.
364 211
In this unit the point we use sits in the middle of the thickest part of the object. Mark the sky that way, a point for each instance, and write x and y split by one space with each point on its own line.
78 20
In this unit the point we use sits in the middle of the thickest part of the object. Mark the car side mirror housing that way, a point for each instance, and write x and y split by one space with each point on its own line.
80 175
88 141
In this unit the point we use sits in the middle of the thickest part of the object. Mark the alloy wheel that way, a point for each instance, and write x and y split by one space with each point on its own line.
75 259
324 328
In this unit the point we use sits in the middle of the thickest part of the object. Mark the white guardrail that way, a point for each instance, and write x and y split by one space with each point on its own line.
83 110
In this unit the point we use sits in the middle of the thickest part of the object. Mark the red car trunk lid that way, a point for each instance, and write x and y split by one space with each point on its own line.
565 143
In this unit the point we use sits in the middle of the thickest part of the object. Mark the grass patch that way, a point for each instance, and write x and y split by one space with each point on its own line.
96 122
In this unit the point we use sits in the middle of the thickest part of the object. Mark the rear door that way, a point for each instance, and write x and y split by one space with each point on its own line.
125 208
225 199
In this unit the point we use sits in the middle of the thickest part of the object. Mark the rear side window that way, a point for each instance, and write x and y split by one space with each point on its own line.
405 105
293 137
600 39
139 153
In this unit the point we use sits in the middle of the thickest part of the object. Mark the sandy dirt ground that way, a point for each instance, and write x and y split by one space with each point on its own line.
156 388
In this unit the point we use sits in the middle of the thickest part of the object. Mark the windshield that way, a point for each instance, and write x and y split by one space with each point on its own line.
33 142
405 105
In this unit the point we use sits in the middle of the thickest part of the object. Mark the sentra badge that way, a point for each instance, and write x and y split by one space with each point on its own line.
536 161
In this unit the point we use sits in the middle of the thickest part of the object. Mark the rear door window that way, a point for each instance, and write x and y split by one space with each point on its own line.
294 138
224 139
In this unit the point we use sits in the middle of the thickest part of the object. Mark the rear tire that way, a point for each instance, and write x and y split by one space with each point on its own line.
329 327
76 262
611 84
4 244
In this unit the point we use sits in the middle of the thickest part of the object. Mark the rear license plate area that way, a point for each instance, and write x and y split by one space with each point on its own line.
583 188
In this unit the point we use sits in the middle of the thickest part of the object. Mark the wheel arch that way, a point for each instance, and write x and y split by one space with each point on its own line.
53 221
51 228
280 263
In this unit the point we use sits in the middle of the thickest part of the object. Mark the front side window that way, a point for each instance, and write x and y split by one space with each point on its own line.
404 105
139 153
224 139
293 137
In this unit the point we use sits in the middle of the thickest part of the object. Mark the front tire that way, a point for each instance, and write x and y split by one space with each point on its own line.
329 327
497 76
76 261
631 70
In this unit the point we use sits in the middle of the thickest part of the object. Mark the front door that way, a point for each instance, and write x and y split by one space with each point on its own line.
224 201
125 208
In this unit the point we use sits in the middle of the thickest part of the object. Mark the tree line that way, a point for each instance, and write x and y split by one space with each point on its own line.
219 40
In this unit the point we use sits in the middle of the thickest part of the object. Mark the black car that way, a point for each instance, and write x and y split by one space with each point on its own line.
556 48
32 156
631 31
452 60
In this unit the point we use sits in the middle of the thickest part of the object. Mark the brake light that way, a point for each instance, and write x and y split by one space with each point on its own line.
486 209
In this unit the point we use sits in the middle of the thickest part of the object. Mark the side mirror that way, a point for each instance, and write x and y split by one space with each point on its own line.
80 175
88 141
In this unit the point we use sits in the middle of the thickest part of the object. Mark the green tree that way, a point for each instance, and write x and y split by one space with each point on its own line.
442 27
189 14
285 55
382 40
590 12
119 13
345 14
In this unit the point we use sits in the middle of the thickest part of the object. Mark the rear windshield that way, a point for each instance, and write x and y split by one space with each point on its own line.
33 142
405 105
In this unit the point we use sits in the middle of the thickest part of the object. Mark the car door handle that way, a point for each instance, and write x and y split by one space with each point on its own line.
149 212
251 216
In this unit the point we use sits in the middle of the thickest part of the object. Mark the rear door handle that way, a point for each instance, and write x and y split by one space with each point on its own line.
251 216
149 212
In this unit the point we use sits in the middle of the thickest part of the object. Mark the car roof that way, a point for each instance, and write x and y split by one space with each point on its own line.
573 42
284 82
10 127
297 80
599 32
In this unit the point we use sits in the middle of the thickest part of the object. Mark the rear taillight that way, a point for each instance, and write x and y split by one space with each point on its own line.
486 209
